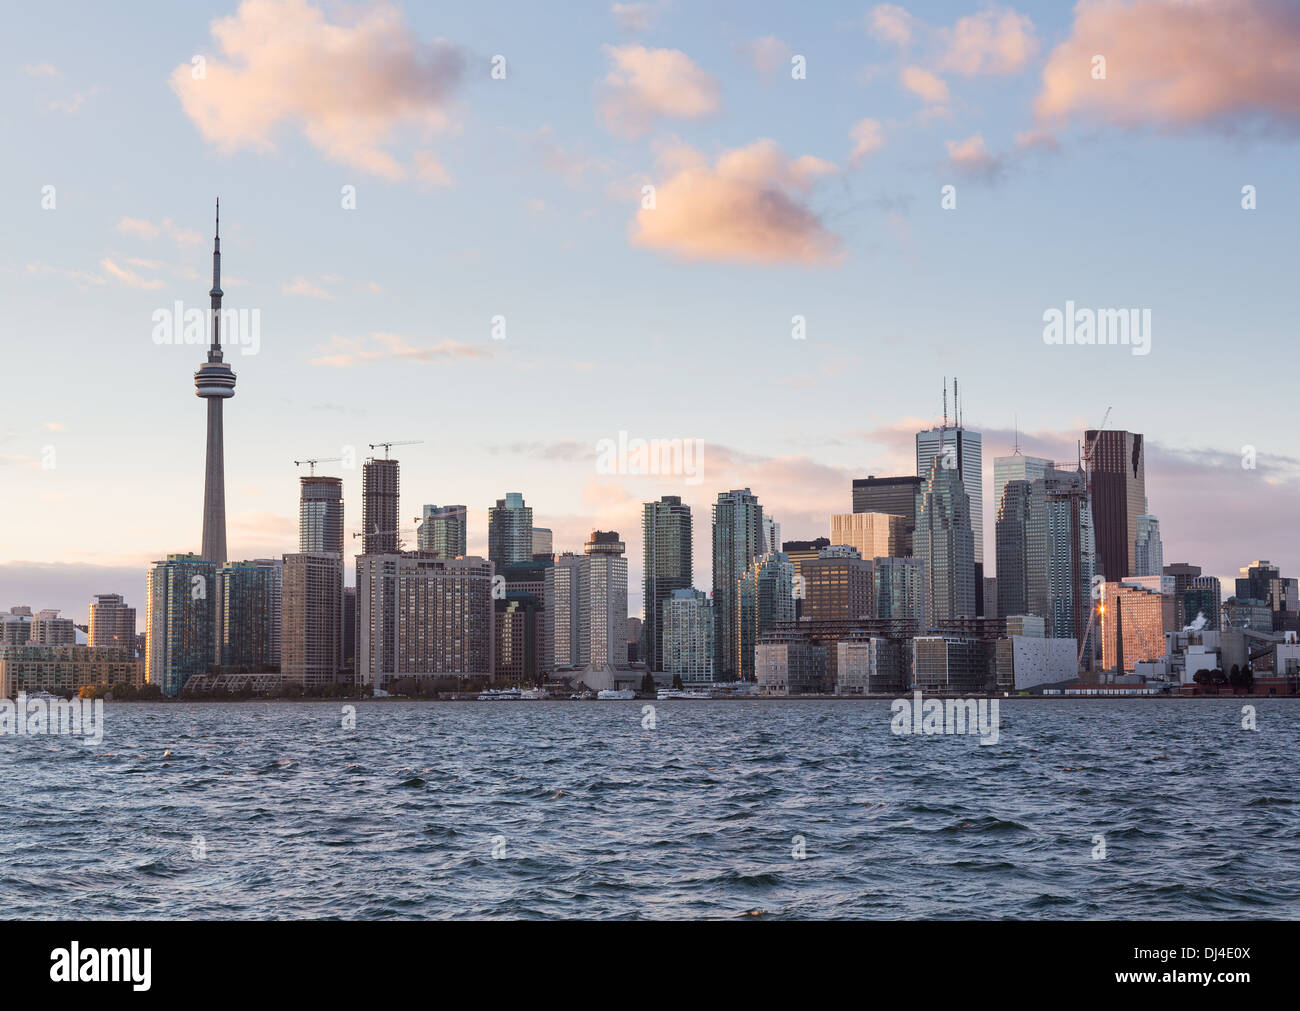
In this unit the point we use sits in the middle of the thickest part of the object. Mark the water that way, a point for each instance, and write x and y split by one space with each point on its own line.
272 811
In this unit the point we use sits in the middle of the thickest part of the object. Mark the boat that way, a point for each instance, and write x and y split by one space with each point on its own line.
606 694
683 693
500 694
535 694
581 696
489 695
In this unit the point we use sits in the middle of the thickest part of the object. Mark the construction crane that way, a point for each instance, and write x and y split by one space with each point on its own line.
388 445
387 533
1091 447
319 459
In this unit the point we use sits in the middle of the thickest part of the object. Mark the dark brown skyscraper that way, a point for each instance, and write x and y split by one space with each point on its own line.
1119 492
379 494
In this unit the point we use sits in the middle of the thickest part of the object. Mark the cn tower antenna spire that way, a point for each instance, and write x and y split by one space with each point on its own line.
216 291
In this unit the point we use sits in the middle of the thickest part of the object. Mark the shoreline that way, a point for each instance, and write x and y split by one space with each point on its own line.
889 697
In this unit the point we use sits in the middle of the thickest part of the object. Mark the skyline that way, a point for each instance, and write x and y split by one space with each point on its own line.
915 295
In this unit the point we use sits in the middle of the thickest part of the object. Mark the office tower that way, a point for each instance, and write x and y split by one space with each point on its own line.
543 542
442 530
320 515
1255 580
1016 467
635 638
837 587
865 665
275 575
801 551
349 617
602 603
875 535
688 636
666 534
312 619
16 626
1183 575
112 624
944 545
215 383
380 492
764 596
48 629
1119 495
897 589
962 450
1011 544
563 607
893 495
248 625
791 664
737 541
1132 625
991 597
1198 604
1063 555
180 621
510 531
422 617
1148 553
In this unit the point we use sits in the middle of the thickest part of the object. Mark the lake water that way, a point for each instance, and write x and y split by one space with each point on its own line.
784 809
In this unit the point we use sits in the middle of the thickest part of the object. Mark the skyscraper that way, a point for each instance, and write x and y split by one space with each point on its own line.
562 608
380 491
875 535
893 495
543 542
896 589
215 382
962 450
764 596
1148 553
666 530
320 515
688 636
180 623
510 531
442 530
1119 495
112 624
602 604
944 545
737 541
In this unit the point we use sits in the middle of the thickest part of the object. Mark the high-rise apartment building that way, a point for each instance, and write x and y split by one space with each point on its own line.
48 629
688 636
897 589
1119 495
563 609
312 619
666 534
180 621
510 531
837 587
320 514
874 535
112 624
602 603
737 540
248 627
764 596
380 495
443 530
419 616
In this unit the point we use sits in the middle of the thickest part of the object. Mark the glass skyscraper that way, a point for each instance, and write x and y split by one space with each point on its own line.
180 621
737 541
666 531
510 531
442 530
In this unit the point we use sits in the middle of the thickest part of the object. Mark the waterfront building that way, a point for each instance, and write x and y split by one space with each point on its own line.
180 621
320 514
312 619
870 664
667 537
944 545
249 622
1132 619
48 629
563 608
688 636
602 604
790 665
380 497
897 589
764 596
837 585
66 668
737 541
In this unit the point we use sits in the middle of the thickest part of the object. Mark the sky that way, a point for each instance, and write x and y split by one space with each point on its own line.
773 230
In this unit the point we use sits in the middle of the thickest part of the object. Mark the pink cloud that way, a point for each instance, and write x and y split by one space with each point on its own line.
648 84
348 85
1173 63
749 207
925 85
994 41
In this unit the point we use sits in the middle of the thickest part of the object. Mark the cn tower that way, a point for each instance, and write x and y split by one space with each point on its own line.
214 382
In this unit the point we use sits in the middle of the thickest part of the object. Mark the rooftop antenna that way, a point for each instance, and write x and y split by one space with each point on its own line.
956 404
1016 424
945 401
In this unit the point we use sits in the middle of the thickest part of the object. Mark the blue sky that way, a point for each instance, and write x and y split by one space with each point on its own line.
521 197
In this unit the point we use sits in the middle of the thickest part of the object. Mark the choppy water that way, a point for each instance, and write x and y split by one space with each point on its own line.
273 811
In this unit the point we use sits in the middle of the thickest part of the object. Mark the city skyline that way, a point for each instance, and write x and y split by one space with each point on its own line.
362 338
